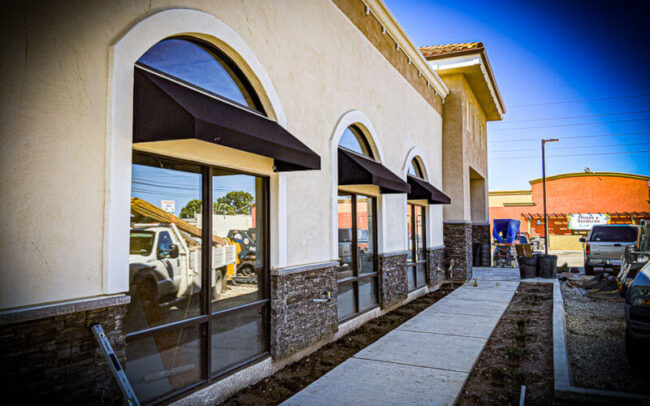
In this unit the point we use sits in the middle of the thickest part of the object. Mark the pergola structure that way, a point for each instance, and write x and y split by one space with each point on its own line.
558 222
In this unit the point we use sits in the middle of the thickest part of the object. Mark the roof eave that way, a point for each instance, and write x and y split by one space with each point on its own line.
388 20
486 71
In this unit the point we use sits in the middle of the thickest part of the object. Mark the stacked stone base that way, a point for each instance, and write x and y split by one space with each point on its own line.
301 312
51 356
393 283
458 247
481 234
436 266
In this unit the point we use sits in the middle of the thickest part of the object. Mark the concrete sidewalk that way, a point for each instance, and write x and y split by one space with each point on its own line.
426 360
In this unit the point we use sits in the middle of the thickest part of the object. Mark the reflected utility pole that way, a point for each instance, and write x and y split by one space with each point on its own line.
544 188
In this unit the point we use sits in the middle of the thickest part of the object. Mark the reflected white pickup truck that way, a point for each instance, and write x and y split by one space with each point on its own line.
165 262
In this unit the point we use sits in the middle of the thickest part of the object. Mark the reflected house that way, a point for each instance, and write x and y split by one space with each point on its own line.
217 210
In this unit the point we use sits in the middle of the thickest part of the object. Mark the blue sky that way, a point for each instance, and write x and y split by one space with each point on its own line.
548 57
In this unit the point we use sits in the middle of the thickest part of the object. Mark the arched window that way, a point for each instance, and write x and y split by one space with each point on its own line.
415 223
202 66
357 222
194 228
415 169
354 140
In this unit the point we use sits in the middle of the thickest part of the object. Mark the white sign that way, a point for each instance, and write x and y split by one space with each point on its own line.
585 221
168 205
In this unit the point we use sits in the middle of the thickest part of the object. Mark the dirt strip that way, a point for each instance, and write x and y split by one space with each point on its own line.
295 377
519 352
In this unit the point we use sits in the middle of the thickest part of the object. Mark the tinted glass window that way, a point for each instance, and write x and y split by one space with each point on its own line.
415 170
238 239
161 192
199 66
141 242
164 242
614 234
353 140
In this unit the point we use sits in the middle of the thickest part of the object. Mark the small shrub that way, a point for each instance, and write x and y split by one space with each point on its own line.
514 352
521 323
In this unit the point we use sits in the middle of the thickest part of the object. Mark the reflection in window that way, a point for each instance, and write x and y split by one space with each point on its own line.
168 269
200 66
345 269
353 140
237 257
415 169
356 274
165 252
163 363
416 257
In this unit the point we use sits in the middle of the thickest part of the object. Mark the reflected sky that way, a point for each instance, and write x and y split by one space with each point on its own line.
190 62
156 184
349 141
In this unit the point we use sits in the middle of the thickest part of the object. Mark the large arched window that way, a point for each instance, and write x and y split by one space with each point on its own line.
357 237
202 66
198 260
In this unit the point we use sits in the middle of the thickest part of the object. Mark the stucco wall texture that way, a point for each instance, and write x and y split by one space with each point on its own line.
577 193
55 71
464 147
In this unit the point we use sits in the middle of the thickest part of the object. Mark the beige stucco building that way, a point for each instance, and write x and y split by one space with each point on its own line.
326 122
473 100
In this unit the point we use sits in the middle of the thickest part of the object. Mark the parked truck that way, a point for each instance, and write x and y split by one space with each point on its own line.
165 257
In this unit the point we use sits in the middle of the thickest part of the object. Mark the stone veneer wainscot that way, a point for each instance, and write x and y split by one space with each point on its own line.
458 246
50 356
301 315
393 283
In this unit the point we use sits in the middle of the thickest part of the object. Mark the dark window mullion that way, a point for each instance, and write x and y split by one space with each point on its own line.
206 274
355 252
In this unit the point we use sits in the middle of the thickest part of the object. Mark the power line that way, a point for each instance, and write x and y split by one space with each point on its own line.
571 117
578 147
571 137
574 155
582 100
572 125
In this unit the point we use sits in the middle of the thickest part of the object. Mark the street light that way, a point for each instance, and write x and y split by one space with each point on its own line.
544 188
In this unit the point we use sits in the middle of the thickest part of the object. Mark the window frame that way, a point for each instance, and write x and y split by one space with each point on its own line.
363 142
356 279
204 321
415 262
228 64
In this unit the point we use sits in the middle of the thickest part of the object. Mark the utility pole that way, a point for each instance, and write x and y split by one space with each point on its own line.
544 189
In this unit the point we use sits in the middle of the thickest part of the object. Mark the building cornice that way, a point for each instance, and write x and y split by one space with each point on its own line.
593 174
475 65
388 20
509 192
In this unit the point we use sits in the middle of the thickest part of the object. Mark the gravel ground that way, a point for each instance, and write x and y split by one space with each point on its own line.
596 341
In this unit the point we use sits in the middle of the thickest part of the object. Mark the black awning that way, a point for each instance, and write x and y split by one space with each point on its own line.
424 190
357 170
165 110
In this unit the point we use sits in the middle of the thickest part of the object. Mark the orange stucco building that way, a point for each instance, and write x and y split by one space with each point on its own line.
619 197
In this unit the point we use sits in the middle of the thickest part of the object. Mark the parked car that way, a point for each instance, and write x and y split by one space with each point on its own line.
605 245
637 317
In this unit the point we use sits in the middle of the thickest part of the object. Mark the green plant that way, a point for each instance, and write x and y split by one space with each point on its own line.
514 352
